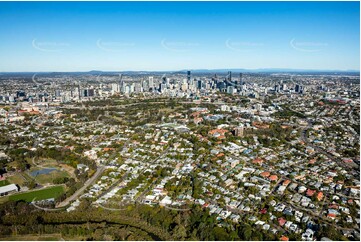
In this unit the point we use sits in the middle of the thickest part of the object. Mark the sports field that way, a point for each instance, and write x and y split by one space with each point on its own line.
51 192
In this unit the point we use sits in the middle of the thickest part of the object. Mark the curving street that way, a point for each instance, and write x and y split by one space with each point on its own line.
90 181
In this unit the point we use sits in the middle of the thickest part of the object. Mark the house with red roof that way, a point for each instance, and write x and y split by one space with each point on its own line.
108 149
220 154
218 133
195 114
319 196
312 161
197 120
331 216
310 192
273 178
257 161
286 183
206 205
29 111
334 206
284 238
281 221
347 160
260 125
263 211
265 174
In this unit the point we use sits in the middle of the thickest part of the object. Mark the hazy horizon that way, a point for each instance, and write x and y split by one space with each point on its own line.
257 70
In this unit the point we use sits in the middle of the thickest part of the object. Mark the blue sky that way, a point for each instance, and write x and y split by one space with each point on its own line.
83 36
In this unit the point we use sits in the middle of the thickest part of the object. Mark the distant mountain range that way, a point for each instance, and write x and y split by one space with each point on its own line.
267 70
197 71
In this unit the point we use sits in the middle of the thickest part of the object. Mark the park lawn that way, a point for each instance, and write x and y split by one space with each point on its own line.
4 183
51 192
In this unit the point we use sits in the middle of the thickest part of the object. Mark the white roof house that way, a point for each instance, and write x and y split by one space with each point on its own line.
165 201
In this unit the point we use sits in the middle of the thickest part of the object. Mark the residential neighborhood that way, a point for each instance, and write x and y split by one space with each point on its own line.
283 162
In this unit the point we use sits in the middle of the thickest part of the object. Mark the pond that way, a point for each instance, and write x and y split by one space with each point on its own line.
42 171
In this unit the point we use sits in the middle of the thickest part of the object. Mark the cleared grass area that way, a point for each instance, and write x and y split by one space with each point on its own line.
51 192
70 170
4 183
16 179
27 176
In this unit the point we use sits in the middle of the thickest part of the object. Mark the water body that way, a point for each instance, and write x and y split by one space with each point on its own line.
43 171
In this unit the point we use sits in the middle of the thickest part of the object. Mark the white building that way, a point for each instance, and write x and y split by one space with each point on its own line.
8 189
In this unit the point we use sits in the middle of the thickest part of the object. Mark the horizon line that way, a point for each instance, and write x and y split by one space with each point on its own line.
197 69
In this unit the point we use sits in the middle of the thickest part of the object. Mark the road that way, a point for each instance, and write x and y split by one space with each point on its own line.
140 197
114 185
45 209
320 150
273 190
165 152
318 215
90 181
352 120
120 179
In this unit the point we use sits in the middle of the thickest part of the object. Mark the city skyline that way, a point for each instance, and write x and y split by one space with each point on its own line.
163 36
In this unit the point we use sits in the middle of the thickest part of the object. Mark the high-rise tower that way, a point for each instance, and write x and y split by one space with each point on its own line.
79 90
